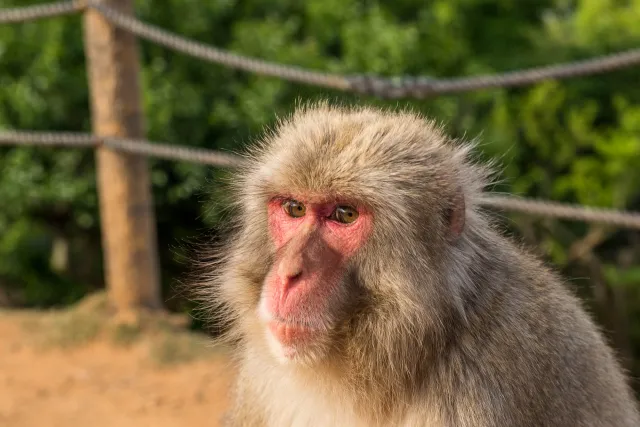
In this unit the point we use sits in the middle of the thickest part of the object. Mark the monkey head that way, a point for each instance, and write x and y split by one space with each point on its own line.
328 207
365 287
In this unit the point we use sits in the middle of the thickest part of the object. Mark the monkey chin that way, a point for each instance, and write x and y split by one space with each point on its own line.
291 342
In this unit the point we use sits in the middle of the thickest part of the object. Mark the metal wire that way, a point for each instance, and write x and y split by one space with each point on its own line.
40 11
211 157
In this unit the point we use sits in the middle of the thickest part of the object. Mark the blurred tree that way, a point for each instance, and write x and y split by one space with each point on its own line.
575 141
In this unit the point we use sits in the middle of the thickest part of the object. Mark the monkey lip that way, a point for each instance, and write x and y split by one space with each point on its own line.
292 333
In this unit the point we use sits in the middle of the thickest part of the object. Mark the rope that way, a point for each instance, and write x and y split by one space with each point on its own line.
389 88
395 87
422 87
173 152
127 145
51 139
40 11
545 208
218 56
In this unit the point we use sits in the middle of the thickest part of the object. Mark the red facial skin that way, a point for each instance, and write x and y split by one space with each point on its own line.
312 252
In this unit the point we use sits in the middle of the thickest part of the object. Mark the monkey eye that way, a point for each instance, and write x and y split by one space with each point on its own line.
294 208
344 214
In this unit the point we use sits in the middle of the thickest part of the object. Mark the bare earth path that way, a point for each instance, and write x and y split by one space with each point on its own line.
100 384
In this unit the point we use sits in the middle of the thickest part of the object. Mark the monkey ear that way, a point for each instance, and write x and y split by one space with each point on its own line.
456 215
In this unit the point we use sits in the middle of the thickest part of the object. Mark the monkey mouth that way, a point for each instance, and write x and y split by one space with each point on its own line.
293 334
293 338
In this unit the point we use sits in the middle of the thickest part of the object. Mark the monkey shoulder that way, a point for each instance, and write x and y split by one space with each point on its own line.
532 355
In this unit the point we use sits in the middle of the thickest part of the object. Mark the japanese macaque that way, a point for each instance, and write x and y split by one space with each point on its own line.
363 286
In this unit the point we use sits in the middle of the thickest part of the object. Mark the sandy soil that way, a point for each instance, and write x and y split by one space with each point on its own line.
101 384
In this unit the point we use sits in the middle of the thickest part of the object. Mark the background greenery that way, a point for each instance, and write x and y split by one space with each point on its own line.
573 141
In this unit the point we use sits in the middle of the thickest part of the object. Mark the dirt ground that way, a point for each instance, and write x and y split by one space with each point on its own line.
104 382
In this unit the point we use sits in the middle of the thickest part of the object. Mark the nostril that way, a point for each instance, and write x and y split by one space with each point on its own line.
290 271
295 275
290 280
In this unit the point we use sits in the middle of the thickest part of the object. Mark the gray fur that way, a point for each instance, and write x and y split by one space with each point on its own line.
453 331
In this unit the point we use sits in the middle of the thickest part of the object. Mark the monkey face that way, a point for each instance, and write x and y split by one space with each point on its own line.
306 288
336 213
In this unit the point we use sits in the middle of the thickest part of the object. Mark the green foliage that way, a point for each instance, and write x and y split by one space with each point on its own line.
573 140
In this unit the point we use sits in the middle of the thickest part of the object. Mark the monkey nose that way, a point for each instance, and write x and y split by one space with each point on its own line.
290 270
289 280
290 277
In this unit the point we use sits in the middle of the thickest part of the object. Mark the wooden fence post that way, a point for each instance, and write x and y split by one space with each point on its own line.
129 239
